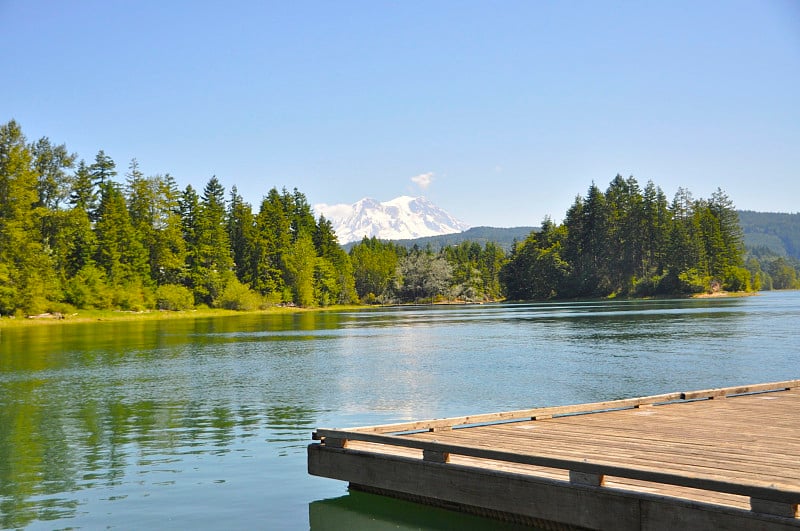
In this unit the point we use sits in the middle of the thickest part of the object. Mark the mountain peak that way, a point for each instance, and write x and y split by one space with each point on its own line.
403 217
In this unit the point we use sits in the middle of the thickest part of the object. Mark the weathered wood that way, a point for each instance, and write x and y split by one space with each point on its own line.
755 488
740 452
743 389
506 416
535 497
543 412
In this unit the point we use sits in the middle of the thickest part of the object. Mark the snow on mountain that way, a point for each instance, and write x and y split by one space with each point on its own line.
398 219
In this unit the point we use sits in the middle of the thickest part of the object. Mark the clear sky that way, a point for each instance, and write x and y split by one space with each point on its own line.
501 112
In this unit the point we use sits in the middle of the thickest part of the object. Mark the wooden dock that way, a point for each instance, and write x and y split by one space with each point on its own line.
715 459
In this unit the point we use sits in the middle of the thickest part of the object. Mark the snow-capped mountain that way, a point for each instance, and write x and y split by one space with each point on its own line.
399 219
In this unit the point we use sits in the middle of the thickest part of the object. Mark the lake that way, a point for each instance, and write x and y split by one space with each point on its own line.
204 423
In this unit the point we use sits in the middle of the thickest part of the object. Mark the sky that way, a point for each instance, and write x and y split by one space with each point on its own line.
499 112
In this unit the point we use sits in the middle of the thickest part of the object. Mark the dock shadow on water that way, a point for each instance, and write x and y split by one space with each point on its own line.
362 510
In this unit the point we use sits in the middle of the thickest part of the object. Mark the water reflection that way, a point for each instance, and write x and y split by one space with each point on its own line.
132 407
360 510
117 424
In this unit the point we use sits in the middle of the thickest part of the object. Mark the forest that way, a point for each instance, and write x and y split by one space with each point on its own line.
77 235
632 242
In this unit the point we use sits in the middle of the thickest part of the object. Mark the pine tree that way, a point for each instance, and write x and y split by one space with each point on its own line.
120 253
214 264
241 231
656 232
272 239
189 208
51 163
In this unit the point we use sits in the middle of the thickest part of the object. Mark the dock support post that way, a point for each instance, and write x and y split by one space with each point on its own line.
585 478
786 510
433 456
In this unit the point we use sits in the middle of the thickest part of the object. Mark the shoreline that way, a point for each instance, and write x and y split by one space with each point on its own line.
100 316
97 316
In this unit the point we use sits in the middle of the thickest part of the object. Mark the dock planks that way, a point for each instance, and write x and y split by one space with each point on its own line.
719 458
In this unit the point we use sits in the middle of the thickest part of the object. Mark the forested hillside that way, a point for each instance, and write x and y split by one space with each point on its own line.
505 238
771 232
773 245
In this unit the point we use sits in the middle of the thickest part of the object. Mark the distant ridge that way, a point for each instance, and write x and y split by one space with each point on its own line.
774 231
503 237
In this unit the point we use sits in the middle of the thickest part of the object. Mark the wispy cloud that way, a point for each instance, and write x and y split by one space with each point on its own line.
423 180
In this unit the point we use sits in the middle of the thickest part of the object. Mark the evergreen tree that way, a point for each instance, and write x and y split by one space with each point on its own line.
536 269
103 170
51 163
302 217
272 239
624 246
153 203
334 279
189 208
656 232
83 194
120 253
729 259
29 280
241 231
214 264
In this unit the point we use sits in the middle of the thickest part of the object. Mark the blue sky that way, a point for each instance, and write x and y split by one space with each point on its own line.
499 112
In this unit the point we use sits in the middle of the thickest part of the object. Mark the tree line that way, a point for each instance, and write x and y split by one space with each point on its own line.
75 235
632 242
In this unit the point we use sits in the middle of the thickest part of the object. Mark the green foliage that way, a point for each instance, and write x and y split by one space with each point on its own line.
174 297
132 296
374 268
237 296
88 289
536 269
423 276
300 262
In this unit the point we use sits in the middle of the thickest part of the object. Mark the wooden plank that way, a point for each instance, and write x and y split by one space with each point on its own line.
523 414
645 451
576 409
727 391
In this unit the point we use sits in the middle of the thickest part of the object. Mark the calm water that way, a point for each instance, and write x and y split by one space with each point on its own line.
204 424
